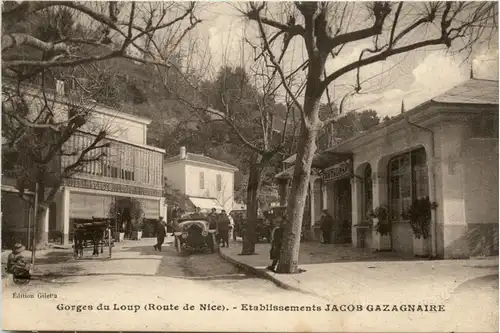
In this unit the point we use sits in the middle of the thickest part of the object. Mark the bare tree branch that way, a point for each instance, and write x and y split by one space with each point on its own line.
274 61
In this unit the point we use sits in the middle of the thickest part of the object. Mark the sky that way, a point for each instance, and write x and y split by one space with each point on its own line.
414 77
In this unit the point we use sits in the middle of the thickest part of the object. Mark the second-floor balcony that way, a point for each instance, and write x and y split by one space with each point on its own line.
120 163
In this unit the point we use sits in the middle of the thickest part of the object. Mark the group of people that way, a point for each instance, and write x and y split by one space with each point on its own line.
219 221
222 224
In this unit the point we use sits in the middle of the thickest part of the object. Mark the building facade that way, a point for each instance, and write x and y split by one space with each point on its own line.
445 149
205 182
129 169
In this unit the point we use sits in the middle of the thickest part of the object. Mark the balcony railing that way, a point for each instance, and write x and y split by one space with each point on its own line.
122 162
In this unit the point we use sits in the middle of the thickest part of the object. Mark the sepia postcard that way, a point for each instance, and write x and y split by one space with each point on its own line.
250 166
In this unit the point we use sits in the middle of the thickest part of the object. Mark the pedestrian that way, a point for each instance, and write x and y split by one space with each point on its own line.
17 264
176 211
326 224
276 242
223 227
197 213
212 219
176 214
161 232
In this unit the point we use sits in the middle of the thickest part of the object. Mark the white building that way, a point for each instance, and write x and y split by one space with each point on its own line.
130 169
207 183
445 149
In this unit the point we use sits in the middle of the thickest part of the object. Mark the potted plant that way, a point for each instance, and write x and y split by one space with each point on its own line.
420 215
137 218
381 229
137 230
121 232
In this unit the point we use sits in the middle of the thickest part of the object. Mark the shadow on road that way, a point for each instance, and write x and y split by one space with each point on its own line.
55 257
483 283
190 265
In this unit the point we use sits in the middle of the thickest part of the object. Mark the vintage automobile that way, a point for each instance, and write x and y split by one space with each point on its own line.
195 232
262 229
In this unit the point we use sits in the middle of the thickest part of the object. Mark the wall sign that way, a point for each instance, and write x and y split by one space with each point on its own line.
337 171
112 187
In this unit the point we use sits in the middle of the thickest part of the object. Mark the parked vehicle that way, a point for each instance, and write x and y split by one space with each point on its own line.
196 233
94 234
272 213
263 230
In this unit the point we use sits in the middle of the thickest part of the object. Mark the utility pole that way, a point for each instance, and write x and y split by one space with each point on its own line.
33 248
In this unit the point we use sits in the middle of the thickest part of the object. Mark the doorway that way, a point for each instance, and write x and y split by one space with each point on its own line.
343 211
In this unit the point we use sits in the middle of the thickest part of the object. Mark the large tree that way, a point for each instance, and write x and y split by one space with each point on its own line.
243 103
324 29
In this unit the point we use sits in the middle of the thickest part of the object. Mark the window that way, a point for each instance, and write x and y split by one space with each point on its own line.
367 192
218 179
202 180
484 127
408 180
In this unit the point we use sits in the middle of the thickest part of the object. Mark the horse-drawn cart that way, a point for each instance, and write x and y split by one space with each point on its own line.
95 234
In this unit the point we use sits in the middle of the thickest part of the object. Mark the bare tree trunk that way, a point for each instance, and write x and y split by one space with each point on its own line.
289 256
44 201
41 234
254 182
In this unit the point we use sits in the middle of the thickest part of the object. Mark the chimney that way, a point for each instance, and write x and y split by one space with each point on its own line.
183 153
60 87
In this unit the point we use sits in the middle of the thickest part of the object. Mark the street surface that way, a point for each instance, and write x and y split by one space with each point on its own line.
143 288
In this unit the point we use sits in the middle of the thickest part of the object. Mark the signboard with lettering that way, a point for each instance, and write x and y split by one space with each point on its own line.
337 171
113 187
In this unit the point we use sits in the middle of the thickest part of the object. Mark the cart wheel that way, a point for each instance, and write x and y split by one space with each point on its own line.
178 245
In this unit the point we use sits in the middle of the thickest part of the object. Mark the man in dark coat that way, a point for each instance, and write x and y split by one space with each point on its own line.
276 243
223 226
176 214
326 225
161 232
212 219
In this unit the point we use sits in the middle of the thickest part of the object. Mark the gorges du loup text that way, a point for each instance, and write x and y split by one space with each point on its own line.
258 307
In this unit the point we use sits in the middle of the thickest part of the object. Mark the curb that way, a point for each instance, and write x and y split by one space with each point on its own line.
262 273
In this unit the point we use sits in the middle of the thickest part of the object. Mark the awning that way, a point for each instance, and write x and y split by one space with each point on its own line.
326 159
206 203
321 160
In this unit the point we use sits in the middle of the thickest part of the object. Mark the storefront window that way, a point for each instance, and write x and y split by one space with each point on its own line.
367 192
408 180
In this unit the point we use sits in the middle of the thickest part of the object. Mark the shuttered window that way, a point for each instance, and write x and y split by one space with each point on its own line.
202 180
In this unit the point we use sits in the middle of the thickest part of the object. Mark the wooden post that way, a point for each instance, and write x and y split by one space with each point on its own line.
33 249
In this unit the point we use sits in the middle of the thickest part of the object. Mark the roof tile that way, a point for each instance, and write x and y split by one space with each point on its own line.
201 159
473 91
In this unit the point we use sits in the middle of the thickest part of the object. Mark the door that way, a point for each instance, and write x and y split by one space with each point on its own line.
343 211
